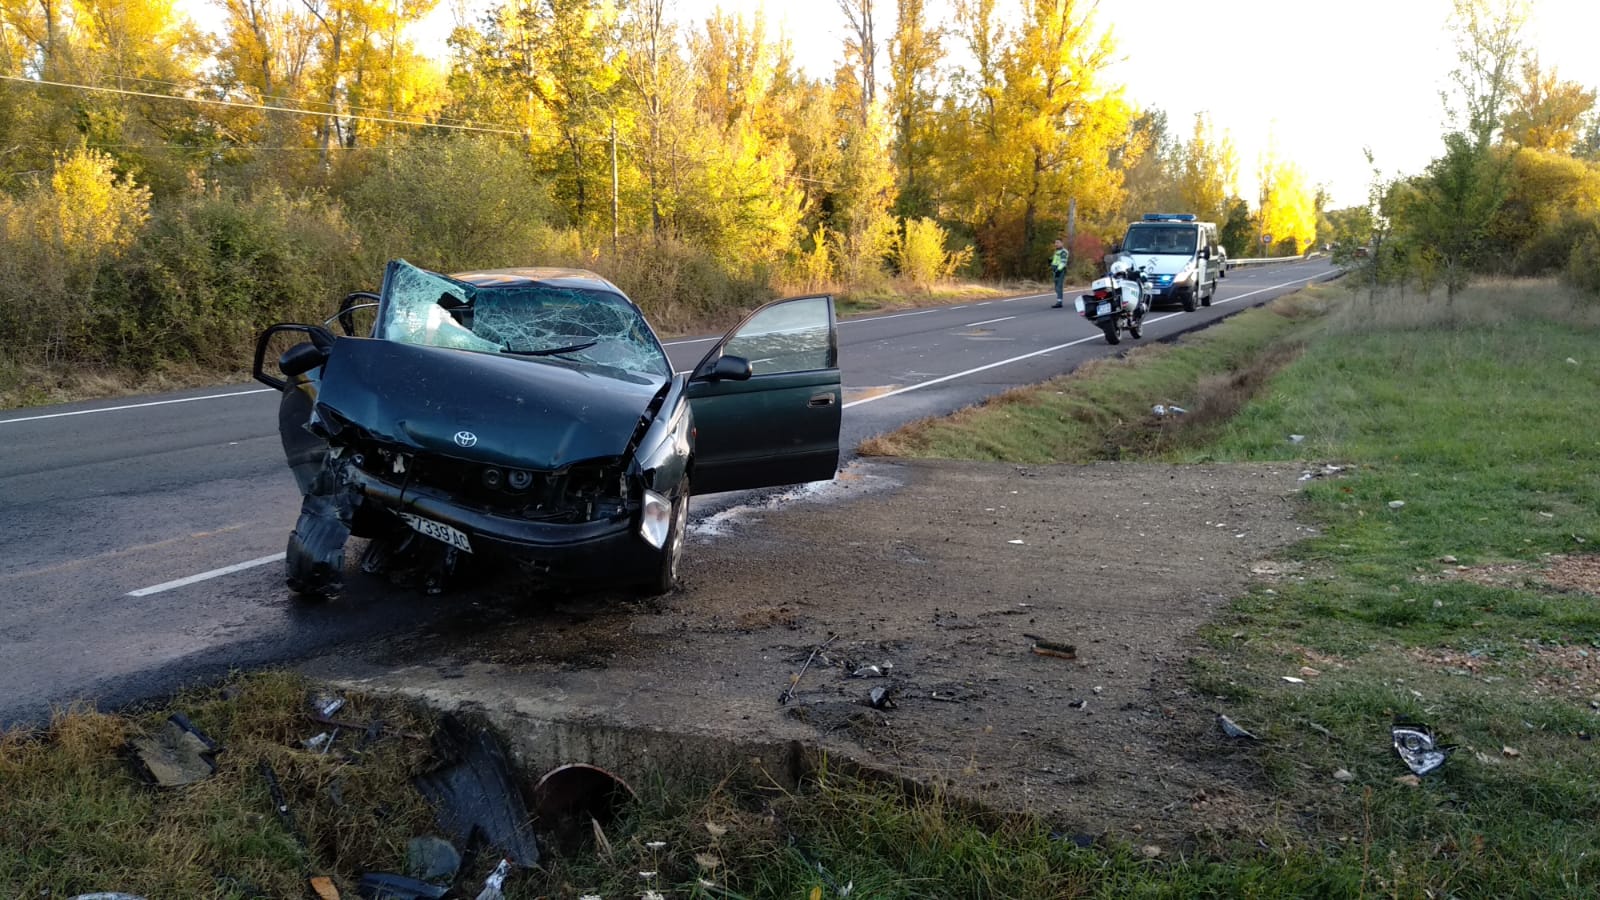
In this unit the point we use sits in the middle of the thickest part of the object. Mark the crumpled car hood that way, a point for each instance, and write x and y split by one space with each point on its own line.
519 412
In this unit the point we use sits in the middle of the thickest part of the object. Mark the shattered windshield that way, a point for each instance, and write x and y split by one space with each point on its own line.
573 325
1161 239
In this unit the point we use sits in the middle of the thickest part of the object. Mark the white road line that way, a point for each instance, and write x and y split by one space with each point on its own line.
920 312
989 321
85 412
206 576
994 365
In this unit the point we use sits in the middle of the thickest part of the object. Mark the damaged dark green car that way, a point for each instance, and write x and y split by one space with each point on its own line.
532 415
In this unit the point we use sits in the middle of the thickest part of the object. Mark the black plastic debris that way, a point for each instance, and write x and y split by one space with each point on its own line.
387 886
1232 729
881 698
432 859
280 803
476 791
178 754
1417 748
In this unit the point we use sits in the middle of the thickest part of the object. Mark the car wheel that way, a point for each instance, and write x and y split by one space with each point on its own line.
1205 300
1188 300
1136 327
666 574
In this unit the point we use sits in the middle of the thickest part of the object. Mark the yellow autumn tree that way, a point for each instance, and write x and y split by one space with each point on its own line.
1288 213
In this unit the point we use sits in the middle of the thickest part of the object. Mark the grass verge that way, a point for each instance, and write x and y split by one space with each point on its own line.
1452 580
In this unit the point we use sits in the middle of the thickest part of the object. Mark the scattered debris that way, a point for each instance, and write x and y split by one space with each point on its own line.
880 698
1232 729
1510 752
280 806
1343 775
178 754
1015 541
319 743
1296 438
1079 704
1448 560
477 790
1292 679
432 859
1327 471
388 886
1397 504
1150 851
1571 361
327 706
794 680
1408 780
1309 672
1417 748
323 887
869 672
493 886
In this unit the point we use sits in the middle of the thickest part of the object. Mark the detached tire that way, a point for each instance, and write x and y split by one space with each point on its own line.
666 574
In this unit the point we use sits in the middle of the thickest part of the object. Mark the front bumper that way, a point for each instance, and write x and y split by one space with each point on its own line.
602 551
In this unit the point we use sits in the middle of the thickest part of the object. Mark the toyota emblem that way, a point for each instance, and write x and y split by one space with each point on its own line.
466 438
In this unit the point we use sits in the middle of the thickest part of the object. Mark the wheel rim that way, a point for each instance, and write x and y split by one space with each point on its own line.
680 522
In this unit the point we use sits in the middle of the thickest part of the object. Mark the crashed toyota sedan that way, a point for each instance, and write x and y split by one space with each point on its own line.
532 415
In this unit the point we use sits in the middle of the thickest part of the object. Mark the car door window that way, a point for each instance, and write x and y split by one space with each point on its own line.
787 337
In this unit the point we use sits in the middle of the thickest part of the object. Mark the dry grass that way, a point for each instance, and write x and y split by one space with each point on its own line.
31 384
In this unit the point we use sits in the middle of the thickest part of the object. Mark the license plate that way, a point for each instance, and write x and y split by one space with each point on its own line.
438 531
1104 310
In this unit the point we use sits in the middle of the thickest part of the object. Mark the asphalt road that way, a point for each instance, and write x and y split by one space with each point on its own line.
143 535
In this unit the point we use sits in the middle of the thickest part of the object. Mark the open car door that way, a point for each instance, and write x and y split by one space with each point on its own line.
767 400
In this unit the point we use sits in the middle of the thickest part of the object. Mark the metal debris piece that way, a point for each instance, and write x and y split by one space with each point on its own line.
280 805
477 791
1417 749
867 672
323 887
388 886
1296 438
494 884
1343 775
178 754
327 706
794 682
318 743
879 698
1232 729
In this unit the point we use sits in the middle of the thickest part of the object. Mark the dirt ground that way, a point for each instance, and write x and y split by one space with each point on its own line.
944 574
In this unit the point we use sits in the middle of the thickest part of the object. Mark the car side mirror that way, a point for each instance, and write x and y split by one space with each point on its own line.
731 368
301 358
1205 253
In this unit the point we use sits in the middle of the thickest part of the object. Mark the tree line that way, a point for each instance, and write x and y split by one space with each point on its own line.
164 191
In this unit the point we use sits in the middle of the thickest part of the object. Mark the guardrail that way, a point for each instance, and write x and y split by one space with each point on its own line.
1256 260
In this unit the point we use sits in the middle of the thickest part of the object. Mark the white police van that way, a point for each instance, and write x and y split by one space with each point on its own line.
1180 255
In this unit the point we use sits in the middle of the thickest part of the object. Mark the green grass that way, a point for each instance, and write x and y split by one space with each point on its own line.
1480 416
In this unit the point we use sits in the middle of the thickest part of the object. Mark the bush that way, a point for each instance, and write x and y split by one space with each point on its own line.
921 256
214 269
59 245
452 204
680 285
1583 265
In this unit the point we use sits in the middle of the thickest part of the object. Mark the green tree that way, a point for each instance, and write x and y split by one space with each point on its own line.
914 53
1545 112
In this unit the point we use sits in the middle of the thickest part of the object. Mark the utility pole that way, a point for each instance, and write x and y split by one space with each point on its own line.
613 185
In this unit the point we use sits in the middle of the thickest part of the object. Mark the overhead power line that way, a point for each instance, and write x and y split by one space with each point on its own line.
259 106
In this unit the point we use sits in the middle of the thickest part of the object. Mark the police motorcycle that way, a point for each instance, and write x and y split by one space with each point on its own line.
1118 301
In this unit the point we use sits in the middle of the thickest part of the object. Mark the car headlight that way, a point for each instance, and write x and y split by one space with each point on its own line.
1186 274
655 519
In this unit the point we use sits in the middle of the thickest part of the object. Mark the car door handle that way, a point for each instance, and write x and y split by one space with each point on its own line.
822 400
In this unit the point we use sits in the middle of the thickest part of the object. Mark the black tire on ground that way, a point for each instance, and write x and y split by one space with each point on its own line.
1188 300
1113 336
1136 328
666 574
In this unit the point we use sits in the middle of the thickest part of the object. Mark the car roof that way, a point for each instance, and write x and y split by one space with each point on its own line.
551 276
